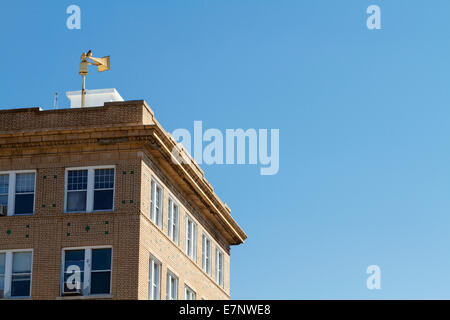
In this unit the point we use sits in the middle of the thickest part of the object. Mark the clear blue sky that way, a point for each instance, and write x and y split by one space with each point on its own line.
364 119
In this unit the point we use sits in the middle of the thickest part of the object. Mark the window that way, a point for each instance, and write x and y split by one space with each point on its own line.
73 270
154 280
173 221
17 193
90 189
155 203
15 274
103 189
171 287
191 230
4 190
101 271
219 267
2 274
77 181
87 271
189 294
206 254
24 193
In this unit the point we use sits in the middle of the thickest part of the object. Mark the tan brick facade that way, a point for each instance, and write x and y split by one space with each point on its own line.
127 136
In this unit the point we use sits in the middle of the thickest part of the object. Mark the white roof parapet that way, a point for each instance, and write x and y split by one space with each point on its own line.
94 98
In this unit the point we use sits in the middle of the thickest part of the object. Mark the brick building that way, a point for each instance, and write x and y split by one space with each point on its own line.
93 205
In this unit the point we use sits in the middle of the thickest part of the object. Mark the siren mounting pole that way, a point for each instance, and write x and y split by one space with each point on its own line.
83 91
83 73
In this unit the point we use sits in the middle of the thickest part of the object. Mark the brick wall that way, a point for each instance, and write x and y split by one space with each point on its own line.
52 141
155 241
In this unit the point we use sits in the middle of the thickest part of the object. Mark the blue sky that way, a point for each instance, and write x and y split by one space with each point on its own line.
364 119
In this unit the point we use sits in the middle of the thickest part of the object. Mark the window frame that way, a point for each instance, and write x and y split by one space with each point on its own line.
219 271
153 262
206 238
90 191
170 274
189 291
12 179
86 289
156 220
9 273
192 255
174 237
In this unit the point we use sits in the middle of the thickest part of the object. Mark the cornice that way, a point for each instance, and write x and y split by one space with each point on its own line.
153 137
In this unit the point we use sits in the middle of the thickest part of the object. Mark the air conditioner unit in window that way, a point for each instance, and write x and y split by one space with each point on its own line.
3 210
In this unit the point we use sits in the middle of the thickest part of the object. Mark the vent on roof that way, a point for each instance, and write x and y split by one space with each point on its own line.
94 98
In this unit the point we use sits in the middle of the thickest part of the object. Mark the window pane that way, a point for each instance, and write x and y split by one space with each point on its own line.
3 200
104 179
77 180
2 274
22 262
24 182
152 196
100 282
76 201
24 200
103 200
101 259
20 283
2 286
20 286
154 280
74 257
24 204
4 183
174 288
72 281
2 264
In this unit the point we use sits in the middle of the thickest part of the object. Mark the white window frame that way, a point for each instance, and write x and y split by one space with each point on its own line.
12 191
173 235
154 281
90 188
86 290
191 251
189 294
219 268
170 295
206 254
156 219
8 273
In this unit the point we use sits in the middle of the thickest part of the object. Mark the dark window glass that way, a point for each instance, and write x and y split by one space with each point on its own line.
77 180
100 282
4 188
20 286
101 259
2 273
103 189
104 179
101 271
74 255
24 193
24 204
103 199
21 274
4 183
